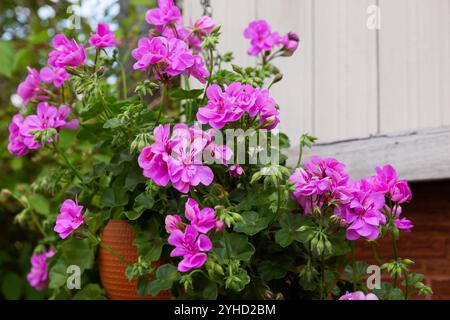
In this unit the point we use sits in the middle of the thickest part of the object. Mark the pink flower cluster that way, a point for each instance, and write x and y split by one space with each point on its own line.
172 49
190 241
358 295
21 131
103 38
361 205
69 218
230 104
177 157
66 53
262 39
38 275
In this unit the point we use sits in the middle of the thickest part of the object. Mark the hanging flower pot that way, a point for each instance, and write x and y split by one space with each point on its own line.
119 236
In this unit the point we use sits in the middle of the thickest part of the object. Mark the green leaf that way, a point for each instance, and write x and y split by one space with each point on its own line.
58 275
134 178
6 58
166 275
148 241
39 37
180 94
90 292
210 291
359 272
12 286
388 292
113 123
253 222
67 138
289 231
115 197
39 204
143 202
133 215
275 269
238 247
78 252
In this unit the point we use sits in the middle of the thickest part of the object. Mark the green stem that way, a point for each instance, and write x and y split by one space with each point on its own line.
162 105
188 108
97 51
107 248
352 246
395 249
37 223
373 246
63 99
211 67
124 80
300 154
69 165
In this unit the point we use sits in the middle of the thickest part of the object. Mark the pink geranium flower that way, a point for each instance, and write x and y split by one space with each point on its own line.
165 15
46 117
30 88
191 246
203 220
16 145
388 182
38 275
262 39
168 56
178 157
173 222
321 180
203 25
358 295
235 171
54 75
103 38
69 219
67 53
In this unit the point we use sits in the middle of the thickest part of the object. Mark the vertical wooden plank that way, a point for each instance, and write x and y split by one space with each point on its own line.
345 70
294 92
414 64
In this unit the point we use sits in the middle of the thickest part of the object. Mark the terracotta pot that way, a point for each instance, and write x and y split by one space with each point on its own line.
119 236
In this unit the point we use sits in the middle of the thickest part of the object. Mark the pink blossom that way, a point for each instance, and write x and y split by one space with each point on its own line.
69 219
38 275
16 145
235 171
103 38
46 117
220 225
173 222
363 213
261 37
203 220
387 181
358 295
54 75
290 42
402 224
169 56
321 180
191 246
30 88
67 53
203 25
269 113
178 157
198 70
400 192
165 15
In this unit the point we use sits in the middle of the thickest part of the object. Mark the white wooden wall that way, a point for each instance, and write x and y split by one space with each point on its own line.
348 81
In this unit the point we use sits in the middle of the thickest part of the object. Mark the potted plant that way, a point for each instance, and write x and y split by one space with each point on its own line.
186 191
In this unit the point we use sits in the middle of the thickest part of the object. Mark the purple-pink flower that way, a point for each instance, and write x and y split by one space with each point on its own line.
22 131
103 38
203 220
38 275
67 53
387 181
54 75
166 15
167 57
203 26
322 179
364 212
69 219
358 295
230 104
262 39
173 222
178 157
191 246
235 171
30 88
